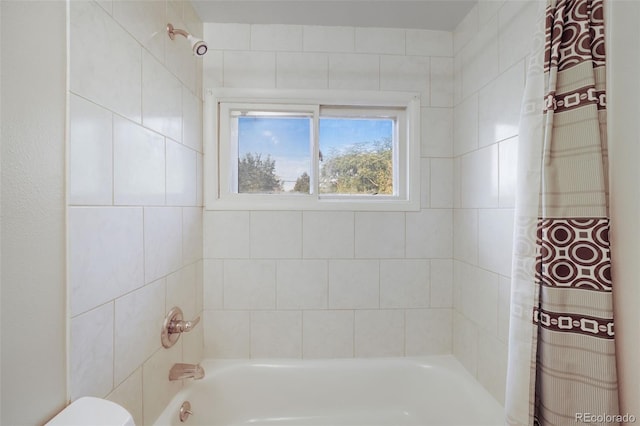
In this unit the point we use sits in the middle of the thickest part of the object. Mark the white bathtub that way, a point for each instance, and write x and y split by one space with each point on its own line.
351 392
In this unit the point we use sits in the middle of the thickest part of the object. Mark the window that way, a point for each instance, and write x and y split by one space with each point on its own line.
312 150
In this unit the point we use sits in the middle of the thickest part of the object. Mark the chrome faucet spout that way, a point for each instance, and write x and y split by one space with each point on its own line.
186 371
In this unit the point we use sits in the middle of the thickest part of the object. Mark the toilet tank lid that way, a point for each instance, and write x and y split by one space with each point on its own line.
92 411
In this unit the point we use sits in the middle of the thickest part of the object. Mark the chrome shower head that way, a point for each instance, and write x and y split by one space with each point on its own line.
198 46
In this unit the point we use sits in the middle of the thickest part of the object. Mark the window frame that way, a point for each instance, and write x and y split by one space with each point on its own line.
216 149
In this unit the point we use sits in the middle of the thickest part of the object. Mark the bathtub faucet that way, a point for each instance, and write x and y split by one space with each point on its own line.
186 371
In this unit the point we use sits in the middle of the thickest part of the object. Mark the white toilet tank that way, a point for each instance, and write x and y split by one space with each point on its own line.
92 411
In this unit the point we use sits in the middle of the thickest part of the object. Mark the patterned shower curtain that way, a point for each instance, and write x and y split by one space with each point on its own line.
561 350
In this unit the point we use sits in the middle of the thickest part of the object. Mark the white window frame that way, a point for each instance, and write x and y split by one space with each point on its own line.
217 148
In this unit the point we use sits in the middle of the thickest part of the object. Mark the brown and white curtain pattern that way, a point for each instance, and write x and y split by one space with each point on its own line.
571 357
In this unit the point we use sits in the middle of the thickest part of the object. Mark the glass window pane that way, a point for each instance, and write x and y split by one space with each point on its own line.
274 153
356 155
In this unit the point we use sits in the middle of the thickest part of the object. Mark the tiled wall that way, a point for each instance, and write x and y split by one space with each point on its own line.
490 45
335 284
135 197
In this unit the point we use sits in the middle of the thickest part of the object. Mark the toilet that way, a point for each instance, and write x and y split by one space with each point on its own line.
92 411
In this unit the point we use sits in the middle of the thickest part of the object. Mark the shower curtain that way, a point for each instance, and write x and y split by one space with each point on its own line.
561 341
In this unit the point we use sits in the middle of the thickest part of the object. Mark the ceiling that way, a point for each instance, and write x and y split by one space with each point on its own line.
421 14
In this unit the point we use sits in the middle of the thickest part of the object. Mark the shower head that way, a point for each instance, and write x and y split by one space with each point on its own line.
198 46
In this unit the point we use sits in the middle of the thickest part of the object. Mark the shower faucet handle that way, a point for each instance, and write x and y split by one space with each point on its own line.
182 326
174 325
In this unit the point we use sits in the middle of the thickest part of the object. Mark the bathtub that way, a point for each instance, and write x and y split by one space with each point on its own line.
423 391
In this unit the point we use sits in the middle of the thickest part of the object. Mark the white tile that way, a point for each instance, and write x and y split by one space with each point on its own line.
302 284
457 285
105 254
466 30
192 21
436 129
441 82
495 236
457 184
379 333
227 36
327 334
138 165
425 183
276 234
193 345
465 342
380 40
487 9
327 234
91 353
328 39
465 131
250 69
457 79
379 234
479 58
479 178
191 120
405 74
479 296
213 282
138 316
276 334
161 99
508 159
354 284
429 234
191 234
144 20
226 234
199 179
249 284
228 334
181 175
181 291
157 390
404 283
441 283
213 69
499 106
105 61
90 153
504 306
492 365
276 37
465 235
429 43
517 22
441 183
199 285
162 241
429 332
106 5
179 58
129 395
354 72
302 70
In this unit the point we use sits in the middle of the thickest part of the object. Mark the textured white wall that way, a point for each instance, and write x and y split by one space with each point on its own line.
624 148
33 326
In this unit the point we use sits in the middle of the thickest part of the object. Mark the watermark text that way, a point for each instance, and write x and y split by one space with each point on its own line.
605 418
